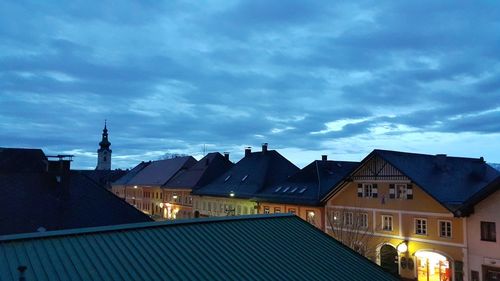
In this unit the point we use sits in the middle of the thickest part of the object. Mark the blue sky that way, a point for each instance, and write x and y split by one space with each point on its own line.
309 77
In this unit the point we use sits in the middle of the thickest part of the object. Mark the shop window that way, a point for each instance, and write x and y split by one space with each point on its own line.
488 231
445 229
387 223
421 226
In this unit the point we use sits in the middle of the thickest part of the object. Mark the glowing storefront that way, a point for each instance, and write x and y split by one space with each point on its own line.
432 266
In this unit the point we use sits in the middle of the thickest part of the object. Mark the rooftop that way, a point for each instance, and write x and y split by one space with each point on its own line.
259 247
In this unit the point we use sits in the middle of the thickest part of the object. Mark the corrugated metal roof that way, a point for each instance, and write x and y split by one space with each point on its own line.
263 247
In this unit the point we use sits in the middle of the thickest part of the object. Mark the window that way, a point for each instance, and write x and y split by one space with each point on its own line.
302 190
401 191
488 231
421 226
293 190
277 210
286 189
348 218
238 210
292 211
244 178
445 229
367 190
277 189
266 210
227 178
310 217
245 210
336 217
363 220
387 223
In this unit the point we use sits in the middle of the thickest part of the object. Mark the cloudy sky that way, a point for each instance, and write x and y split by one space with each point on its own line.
308 77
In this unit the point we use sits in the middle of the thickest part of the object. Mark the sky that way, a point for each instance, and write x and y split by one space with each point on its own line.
308 77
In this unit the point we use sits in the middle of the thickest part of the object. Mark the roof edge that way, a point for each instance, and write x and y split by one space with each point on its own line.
140 225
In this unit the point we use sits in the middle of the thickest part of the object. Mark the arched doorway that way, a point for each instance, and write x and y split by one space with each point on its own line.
432 266
389 258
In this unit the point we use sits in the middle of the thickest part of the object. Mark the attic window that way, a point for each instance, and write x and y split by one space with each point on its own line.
244 178
277 189
227 178
293 190
302 190
286 189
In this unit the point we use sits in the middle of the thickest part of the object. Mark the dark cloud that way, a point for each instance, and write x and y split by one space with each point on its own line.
179 75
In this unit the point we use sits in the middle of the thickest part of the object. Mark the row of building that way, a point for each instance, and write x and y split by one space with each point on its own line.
423 217
57 223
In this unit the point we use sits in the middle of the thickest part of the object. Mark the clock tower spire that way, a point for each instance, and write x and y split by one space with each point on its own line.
104 152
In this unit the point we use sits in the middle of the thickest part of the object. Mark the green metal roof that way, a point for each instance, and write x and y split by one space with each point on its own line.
258 247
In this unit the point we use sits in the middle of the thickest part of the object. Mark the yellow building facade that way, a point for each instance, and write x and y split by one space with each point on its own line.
404 229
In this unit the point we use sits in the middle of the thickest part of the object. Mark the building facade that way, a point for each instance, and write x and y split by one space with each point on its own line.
402 211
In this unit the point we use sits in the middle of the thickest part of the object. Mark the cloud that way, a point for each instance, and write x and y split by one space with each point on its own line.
178 75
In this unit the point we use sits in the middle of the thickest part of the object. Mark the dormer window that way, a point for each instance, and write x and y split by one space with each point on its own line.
293 190
286 189
244 178
227 178
302 190
277 189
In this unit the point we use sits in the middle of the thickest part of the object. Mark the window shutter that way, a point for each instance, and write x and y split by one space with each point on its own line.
409 191
360 190
374 190
392 191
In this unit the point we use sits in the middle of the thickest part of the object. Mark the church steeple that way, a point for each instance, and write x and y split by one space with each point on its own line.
104 152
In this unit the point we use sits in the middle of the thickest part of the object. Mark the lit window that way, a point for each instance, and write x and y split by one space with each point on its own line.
421 226
488 231
387 223
266 210
310 217
336 217
277 210
445 229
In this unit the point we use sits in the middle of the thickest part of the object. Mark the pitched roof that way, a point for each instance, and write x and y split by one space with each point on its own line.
103 177
264 247
449 180
31 201
207 169
250 175
131 174
17 160
309 185
159 172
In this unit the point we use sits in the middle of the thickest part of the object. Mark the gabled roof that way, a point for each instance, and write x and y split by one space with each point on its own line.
449 180
31 201
131 174
309 185
207 169
159 172
22 160
250 175
264 247
103 177
468 206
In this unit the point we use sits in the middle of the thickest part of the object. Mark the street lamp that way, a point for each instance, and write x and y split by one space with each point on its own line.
402 247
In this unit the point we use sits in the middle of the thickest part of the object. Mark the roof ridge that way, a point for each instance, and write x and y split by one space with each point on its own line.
425 154
130 226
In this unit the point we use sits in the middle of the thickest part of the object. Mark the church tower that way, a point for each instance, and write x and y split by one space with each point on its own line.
104 153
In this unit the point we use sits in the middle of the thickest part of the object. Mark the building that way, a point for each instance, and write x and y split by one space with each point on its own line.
43 195
142 186
263 247
482 233
301 193
104 152
233 191
407 213
177 191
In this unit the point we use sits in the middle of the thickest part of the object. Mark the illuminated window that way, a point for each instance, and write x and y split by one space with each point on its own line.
311 217
445 229
421 226
336 217
266 210
277 210
387 223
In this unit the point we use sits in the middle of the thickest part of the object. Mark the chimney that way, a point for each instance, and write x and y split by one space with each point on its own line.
440 161
248 151
226 155
61 169
324 158
264 148
207 161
